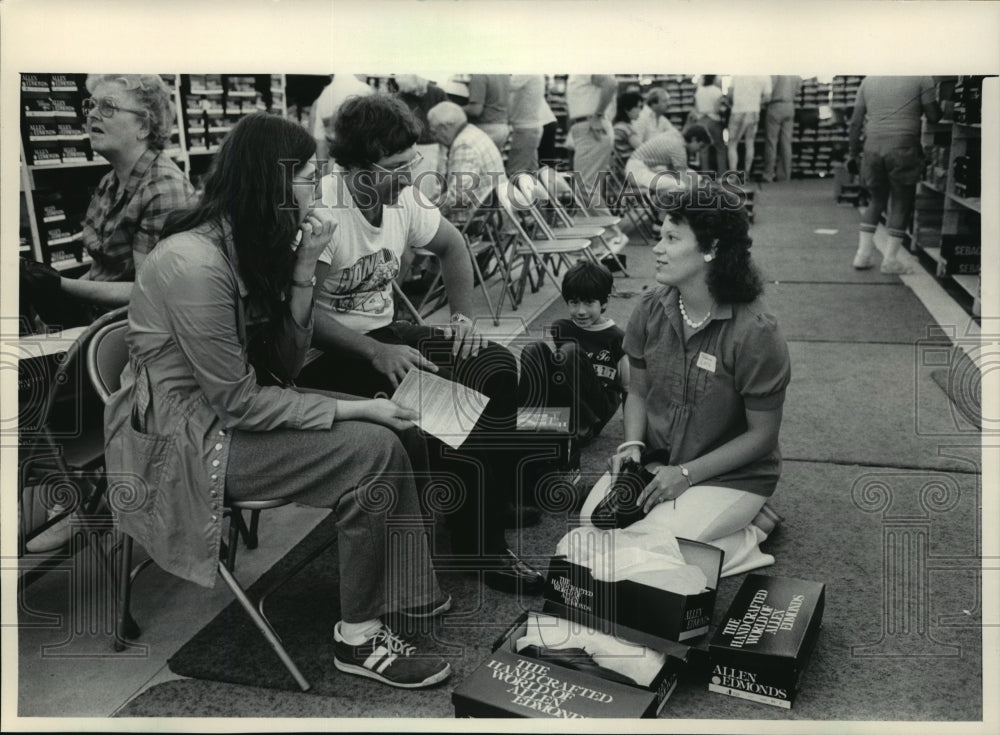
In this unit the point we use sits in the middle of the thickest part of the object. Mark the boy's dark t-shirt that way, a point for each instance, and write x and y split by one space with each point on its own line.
603 347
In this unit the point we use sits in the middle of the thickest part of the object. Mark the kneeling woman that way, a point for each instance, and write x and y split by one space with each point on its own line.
222 304
708 372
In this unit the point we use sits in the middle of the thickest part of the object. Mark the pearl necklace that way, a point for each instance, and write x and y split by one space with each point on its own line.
687 319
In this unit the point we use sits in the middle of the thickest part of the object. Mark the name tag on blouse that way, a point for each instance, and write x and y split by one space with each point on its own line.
706 361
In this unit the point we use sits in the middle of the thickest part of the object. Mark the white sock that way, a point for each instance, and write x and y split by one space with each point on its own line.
866 243
892 247
357 633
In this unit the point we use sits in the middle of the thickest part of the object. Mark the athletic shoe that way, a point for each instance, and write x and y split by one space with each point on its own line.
895 268
387 658
55 536
429 610
863 262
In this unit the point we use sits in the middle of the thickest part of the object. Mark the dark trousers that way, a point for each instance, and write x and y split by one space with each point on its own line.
476 481
566 378
547 155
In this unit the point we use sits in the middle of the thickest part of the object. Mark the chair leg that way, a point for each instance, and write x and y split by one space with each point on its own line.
254 524
234 537
302 564
482 284
264 627
125 626
614 256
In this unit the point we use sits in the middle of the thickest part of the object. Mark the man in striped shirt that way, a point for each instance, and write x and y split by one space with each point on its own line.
474 162
662 162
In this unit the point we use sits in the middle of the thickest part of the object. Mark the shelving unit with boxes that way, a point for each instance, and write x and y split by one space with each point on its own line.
214 103
820 142
555 96
59 171
947 215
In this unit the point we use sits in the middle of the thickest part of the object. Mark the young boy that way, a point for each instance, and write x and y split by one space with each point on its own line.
588 370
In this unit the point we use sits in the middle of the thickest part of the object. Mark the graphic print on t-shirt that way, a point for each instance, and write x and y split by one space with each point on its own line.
365 286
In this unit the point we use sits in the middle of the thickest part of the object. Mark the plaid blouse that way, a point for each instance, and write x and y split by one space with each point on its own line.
474 168
127 218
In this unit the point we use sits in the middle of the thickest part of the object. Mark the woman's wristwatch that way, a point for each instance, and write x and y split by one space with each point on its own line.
687 475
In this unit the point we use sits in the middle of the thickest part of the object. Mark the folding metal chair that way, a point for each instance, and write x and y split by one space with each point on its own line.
480 234
106 358
632 201
67 456
540 252
533 191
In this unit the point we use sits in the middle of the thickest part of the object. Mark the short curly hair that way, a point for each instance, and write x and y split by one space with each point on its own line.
153 96
370 128
718 219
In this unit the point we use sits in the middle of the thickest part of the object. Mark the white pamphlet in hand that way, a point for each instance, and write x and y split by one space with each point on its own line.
446 409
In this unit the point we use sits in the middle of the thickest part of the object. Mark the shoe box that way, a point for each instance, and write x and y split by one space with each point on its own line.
962 253
549 460
761 648
572 592
510 684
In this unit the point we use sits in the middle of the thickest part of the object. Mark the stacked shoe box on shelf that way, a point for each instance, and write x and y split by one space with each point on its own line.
928 214
521 684
40 121
967 99
278 102
203 110
844 91
555 96
680 88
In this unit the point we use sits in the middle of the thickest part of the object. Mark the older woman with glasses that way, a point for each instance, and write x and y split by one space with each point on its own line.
128 119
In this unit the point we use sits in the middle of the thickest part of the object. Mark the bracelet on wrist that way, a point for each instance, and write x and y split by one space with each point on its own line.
633 443
310 283
686 473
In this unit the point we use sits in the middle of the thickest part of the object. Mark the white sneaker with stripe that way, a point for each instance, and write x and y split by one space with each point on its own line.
389 659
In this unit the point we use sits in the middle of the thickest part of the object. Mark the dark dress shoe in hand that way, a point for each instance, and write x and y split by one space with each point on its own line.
514 576
521 516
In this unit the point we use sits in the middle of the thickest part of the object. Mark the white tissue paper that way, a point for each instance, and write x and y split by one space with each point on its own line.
653 559
639 663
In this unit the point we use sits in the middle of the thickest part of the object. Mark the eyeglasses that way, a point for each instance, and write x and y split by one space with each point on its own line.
403 167
106 107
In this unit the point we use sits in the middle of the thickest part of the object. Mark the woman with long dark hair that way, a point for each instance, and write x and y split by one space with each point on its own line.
708 372
221 307
626 113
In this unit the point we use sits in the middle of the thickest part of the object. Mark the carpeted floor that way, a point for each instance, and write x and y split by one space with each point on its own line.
883 407
876 456
819 262
904 681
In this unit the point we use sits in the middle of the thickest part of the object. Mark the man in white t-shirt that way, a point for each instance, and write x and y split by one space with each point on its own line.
324 109
379 215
